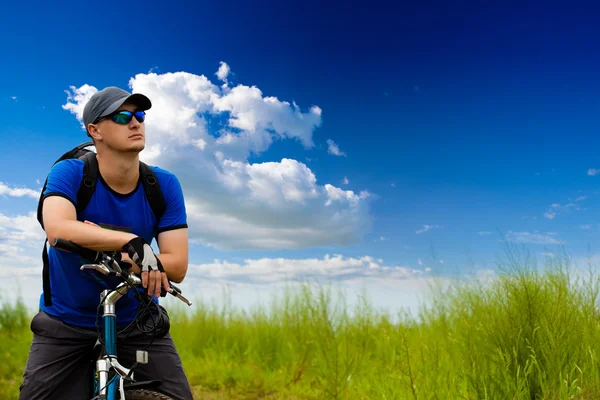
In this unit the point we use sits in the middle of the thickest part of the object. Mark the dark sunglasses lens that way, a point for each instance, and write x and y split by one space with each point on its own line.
140 116
124 117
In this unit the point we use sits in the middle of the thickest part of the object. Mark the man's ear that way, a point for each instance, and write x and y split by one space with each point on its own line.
94 132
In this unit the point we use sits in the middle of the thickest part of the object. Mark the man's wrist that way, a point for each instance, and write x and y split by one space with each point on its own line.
134 267
127 237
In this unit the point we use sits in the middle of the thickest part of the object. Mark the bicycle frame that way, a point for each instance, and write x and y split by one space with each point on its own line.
108 389
109 360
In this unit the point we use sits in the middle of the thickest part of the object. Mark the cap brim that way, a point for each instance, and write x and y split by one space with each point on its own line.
138 99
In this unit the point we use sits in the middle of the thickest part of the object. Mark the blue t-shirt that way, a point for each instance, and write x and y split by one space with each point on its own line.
76 293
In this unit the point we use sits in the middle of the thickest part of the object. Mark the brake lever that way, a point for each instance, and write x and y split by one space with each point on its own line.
175 291
98 267
115 266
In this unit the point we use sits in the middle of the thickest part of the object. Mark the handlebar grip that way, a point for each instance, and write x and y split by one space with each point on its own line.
69 246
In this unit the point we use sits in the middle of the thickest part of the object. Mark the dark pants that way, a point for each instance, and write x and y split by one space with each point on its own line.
60 362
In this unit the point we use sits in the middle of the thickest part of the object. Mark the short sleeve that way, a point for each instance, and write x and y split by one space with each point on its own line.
175 215
64 180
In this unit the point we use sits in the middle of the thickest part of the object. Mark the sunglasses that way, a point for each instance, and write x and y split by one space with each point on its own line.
125 117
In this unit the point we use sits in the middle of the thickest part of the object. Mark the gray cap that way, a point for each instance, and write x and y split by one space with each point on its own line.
109 100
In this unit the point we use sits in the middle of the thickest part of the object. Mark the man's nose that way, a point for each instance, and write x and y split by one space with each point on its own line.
134 123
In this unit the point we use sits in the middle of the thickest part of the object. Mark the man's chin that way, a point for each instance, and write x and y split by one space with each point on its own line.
137 148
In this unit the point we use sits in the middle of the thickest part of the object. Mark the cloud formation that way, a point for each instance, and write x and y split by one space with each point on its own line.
6 190
426 228
535 238
276 270
332 148
21 241
223 72
593 172
206 133
556 209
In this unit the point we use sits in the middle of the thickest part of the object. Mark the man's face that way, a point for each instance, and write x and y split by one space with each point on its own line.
130 137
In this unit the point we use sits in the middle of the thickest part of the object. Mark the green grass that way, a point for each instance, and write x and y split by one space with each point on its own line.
528 333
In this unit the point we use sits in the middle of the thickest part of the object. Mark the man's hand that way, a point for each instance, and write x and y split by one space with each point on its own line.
153 273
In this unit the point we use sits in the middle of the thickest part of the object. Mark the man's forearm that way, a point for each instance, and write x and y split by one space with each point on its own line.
90 236
173 266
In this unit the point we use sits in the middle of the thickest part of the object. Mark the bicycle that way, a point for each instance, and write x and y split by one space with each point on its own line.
110 378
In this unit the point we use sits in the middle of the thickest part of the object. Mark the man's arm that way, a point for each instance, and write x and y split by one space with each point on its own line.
173 254
173 246
60 221
59 214
172 236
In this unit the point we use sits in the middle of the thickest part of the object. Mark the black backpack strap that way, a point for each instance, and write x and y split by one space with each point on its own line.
46 276
88 182
40 216
153 192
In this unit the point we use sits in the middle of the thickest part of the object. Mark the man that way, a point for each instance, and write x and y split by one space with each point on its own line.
117 218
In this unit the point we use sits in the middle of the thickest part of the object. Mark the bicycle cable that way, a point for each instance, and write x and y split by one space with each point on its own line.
151 319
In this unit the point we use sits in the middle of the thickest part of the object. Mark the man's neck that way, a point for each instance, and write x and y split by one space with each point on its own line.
120 171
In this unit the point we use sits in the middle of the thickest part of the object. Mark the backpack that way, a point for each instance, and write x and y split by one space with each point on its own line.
85 193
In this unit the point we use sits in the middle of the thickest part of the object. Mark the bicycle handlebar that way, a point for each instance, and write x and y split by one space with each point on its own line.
99 257
90 255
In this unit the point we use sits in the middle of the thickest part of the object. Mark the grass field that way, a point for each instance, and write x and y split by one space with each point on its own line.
528 333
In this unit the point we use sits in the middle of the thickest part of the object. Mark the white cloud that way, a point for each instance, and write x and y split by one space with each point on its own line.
593 172
535 238
223 72
556 209
20 228
485 233
77 100
14 97
345 181
205 134
6 190
581 198
426 228
333 148
21 243
336 194
277 270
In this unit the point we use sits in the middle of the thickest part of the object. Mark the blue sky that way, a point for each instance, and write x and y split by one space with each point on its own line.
465 119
